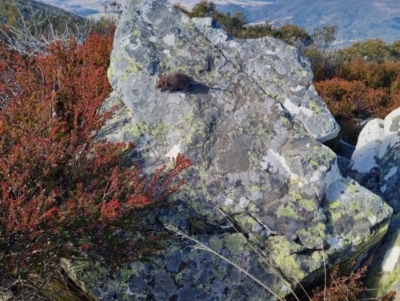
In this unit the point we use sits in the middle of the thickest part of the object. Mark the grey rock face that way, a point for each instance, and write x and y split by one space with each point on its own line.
384 270
263 192
375 162
281 73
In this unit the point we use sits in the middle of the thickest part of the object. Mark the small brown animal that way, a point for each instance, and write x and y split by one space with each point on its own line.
173 82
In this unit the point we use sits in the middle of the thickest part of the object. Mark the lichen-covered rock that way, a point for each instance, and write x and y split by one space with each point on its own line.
263 191
389 158
358 209
384 271
375 162
282 73
364 164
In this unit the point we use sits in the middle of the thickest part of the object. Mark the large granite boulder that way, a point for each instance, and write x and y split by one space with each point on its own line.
375 162
383 274
375 165
263 192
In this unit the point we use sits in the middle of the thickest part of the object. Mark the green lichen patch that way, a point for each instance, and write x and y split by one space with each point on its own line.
312 237
297 203
309 205
137 34
284 257
316 108
110 72
235 243
216 243
304 203
335 210
288 210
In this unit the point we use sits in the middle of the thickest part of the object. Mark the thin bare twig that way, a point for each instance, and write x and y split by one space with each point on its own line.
201 246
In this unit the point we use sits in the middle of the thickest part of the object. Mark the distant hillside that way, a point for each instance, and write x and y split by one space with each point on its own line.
85 8
357 20
10 11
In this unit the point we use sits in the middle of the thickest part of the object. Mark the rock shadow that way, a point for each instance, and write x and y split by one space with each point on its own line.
197 88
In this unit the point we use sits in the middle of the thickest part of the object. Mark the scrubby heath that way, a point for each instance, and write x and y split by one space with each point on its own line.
67 194
64 193
358 83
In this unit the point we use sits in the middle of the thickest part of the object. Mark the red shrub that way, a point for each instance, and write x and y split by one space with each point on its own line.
62 193
356 89
348 287
373 74
352 101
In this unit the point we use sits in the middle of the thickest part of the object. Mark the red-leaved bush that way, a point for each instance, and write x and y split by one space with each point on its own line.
62 192
357 90
352 101
340 288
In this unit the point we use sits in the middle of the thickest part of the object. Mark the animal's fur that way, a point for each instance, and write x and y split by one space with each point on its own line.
173 81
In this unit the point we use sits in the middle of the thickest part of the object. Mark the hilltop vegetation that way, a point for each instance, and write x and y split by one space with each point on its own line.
236 25
12 12
357 83
358 20
28 26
